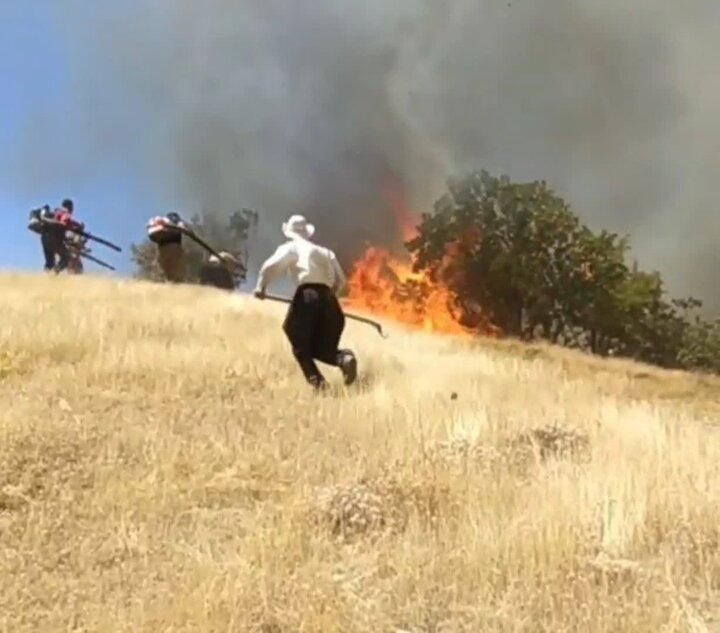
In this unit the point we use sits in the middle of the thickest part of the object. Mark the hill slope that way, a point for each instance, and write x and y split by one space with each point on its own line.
164 468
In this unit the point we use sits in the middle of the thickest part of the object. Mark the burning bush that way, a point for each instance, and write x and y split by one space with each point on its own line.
420 296
497 257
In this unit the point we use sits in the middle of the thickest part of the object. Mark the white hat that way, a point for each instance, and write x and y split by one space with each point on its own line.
224 256
298 226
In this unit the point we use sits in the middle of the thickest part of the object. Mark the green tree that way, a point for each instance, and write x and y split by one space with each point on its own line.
229 234
518 264
651 327
593 277
518 251
695 340
700 349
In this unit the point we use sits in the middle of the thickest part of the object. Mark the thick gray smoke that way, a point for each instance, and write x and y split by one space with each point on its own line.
289 106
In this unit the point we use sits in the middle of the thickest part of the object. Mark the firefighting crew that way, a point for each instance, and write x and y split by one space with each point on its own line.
53 226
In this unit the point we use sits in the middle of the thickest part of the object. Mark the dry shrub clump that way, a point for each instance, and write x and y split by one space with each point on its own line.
382 505
517 454
461 451
550 442
352 510
165 468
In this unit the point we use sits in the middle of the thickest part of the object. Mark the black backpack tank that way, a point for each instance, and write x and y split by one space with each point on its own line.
35 220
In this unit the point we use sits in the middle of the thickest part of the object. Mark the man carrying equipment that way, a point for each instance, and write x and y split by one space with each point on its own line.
315 320
53 227
167 231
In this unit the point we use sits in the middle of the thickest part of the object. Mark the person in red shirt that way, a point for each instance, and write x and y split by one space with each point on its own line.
64 216
63 222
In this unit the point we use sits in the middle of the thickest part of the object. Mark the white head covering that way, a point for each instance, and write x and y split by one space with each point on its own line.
225 257
298 226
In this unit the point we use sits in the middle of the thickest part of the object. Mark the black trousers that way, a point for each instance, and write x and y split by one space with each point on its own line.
314 325
53 244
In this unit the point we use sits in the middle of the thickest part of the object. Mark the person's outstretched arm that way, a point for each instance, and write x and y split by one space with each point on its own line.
273 267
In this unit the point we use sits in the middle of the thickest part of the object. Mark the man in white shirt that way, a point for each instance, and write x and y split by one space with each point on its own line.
315 321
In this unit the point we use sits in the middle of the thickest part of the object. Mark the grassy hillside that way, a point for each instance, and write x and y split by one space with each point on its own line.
164 468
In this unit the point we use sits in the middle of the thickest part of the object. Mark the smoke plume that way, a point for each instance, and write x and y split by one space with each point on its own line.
313 107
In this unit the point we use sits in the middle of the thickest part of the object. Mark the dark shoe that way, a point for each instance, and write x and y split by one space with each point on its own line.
318 384
348 367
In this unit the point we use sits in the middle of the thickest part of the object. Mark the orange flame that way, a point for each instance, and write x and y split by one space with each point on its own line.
387 286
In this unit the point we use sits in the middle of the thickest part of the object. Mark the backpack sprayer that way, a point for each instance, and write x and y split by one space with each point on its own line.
43 218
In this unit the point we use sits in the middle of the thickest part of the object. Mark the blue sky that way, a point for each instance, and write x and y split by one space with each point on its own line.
37 93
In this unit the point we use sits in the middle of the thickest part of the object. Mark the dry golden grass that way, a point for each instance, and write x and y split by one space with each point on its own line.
163 468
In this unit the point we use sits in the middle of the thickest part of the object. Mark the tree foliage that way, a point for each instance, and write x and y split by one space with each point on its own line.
229 234
521 253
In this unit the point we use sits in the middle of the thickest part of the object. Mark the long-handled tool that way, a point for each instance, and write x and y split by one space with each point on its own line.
201 242
97 239
34 226
100 262
198 240
354 317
